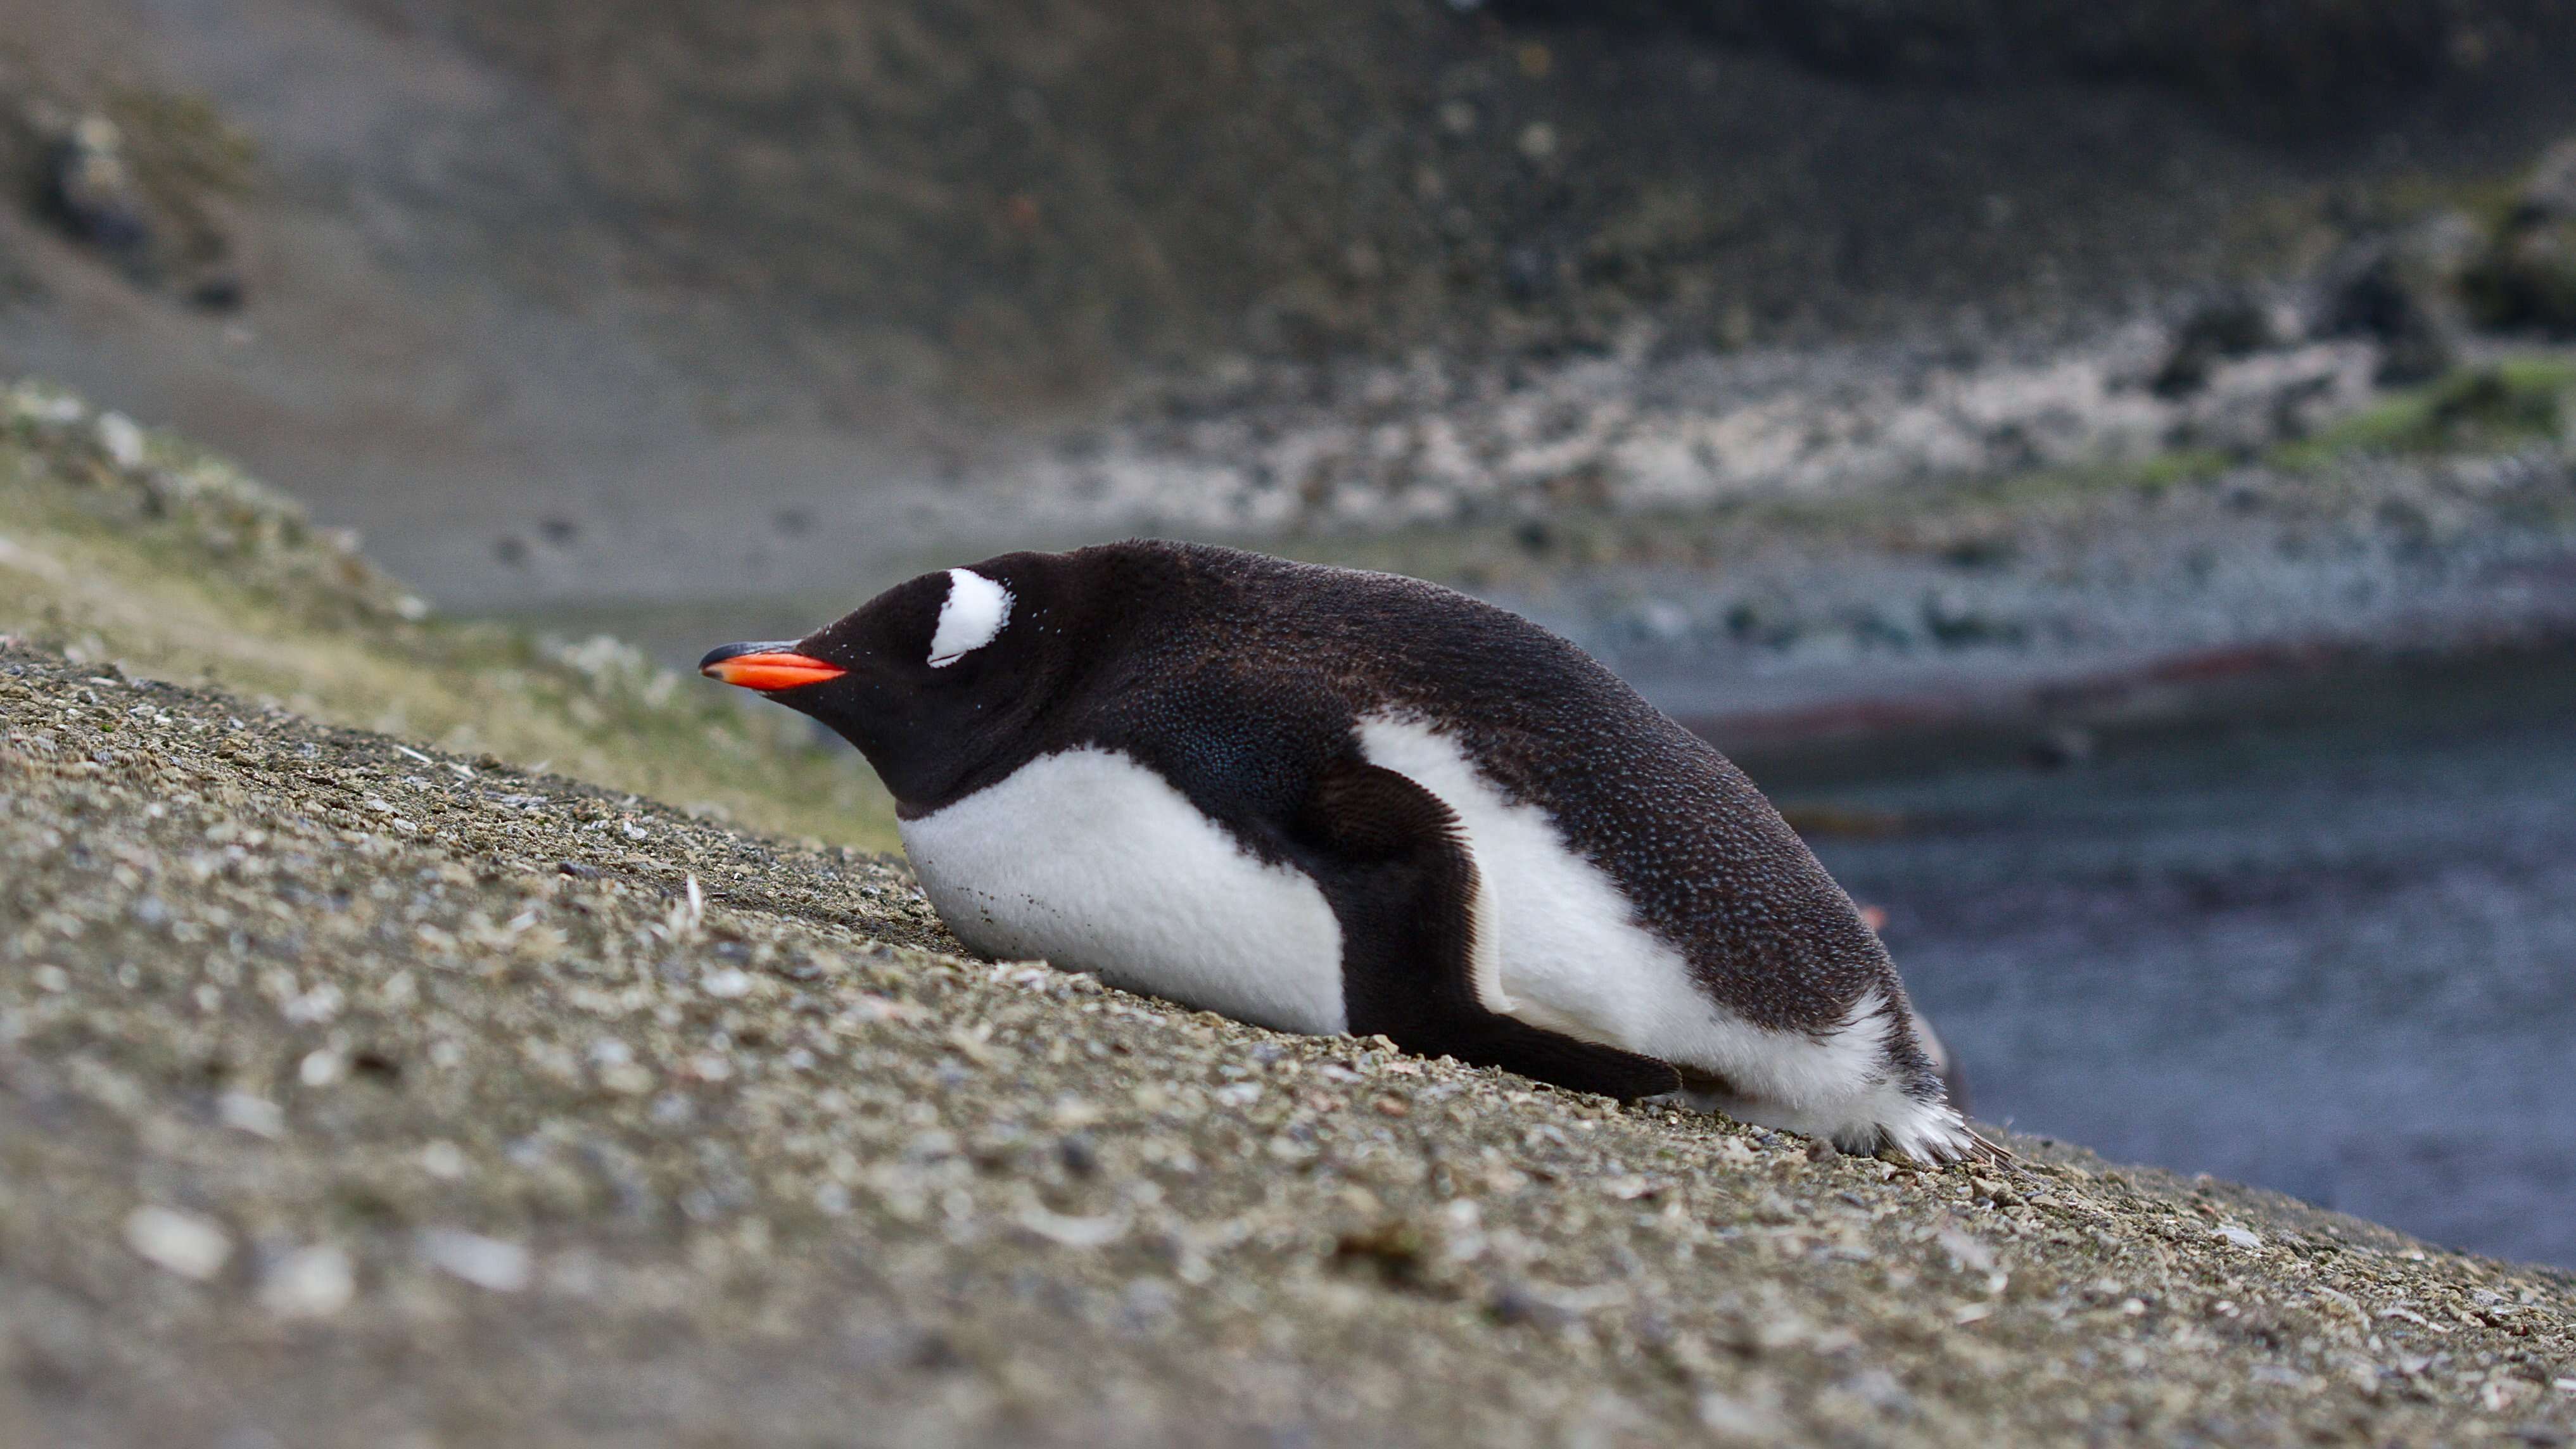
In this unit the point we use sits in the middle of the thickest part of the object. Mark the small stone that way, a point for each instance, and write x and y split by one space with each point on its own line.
1396 1249
487 1263
1965 1252
1073 1232
731 984
1079 1156
630 1079
1734 1419
120 439
255 1115
2240 1236
314 1282
190 1246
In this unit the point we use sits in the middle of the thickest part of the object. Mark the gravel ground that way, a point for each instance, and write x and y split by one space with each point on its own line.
351 1092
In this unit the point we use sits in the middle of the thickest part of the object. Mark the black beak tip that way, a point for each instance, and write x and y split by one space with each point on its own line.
723 652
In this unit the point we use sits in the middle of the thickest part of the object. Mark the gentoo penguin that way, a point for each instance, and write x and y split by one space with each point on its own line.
1330 801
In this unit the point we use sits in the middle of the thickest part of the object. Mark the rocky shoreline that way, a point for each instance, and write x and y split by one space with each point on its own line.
355 1092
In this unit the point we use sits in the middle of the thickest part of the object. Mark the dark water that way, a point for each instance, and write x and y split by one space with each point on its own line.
2332 951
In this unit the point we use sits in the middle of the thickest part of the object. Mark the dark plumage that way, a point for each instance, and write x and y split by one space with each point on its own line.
1453 779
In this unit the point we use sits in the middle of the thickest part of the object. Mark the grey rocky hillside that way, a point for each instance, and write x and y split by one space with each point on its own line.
353 1092
661 302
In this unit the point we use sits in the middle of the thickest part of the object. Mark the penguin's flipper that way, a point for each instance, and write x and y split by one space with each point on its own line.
1419 963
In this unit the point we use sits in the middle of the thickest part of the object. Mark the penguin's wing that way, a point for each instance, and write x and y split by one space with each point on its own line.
1420 962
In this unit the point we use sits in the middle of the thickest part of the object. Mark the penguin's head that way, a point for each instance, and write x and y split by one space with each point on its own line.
927 679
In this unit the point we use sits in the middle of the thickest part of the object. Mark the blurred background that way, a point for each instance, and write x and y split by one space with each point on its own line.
2108 471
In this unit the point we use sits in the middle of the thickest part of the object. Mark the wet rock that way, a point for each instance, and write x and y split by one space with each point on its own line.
2404 292
2061 748
2528 278
2550 193
90 189
2529 281
2223 329
222 292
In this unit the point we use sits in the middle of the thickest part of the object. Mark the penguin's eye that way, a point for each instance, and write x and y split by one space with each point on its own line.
976 610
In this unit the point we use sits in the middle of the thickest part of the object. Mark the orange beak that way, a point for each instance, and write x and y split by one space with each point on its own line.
766 667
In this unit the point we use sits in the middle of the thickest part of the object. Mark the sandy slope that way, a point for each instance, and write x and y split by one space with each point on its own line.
350 1092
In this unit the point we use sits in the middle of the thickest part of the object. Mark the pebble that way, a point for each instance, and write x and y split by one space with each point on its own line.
190 1246
314 1282
120 439
1512 1224
258 1116
1736 1419
489 1263
1074 1232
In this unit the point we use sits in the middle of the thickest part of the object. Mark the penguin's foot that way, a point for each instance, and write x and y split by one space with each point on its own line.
1866 1085
1933 1135
1928 1132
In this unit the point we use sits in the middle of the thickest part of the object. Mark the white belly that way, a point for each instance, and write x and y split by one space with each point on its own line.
1576 959
1096 863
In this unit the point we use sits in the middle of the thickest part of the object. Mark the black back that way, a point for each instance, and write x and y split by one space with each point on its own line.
1240 678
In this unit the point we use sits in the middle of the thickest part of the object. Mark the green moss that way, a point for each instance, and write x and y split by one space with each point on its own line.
2182 465
177 567
2494 405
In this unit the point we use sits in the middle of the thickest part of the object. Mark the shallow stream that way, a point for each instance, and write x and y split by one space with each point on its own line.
2330 949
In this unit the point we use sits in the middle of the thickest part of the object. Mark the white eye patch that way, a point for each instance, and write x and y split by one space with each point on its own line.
976 610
